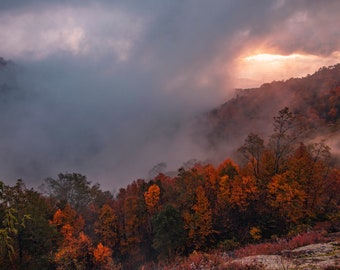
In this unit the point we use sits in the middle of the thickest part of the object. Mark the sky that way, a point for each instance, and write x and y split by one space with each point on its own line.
111 88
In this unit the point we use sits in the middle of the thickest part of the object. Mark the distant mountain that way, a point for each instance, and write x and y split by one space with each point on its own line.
314 99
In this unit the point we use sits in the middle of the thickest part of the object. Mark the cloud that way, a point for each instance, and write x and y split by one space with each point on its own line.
110 88
78 30
308 27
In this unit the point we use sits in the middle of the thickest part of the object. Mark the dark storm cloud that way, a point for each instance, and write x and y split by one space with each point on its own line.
109 88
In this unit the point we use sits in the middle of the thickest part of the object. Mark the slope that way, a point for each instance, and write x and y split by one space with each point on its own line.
314 99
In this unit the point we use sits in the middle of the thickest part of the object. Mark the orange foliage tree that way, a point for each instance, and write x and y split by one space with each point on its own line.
152 197
198 223
103 257
287 197
75 249
107 227
75 252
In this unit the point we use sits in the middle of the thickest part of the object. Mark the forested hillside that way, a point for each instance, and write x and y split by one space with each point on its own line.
314 100
283 187
282 183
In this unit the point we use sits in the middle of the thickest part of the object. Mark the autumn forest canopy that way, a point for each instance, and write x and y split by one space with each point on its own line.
274 186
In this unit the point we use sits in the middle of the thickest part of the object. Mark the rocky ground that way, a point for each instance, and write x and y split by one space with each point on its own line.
316 256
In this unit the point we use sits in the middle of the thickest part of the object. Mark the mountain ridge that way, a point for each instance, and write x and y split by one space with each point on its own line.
314 100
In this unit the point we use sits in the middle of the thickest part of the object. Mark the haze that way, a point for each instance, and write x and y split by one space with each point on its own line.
110 88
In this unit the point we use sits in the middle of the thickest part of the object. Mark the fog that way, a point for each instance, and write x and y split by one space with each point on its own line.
111 88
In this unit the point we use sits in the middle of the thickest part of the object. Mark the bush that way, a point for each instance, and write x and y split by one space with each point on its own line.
229 244
276 247
306 239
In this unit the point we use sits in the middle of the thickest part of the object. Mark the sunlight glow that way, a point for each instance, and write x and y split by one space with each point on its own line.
252 70
272 57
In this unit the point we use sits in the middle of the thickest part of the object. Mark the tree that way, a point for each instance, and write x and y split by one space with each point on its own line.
311 166
186 183
68 216
283 138
169 233
106 227
73 189
75 249
103 258
331 198
135 238
132 224
243 191
26 236
37 237
152 197
227 172
252 151
199 222
76 252
8 233
287 197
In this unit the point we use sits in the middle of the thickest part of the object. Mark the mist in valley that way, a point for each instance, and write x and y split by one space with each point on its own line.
109 89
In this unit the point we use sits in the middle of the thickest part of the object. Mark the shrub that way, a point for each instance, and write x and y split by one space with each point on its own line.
255 233
229 244
276 247
306 239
